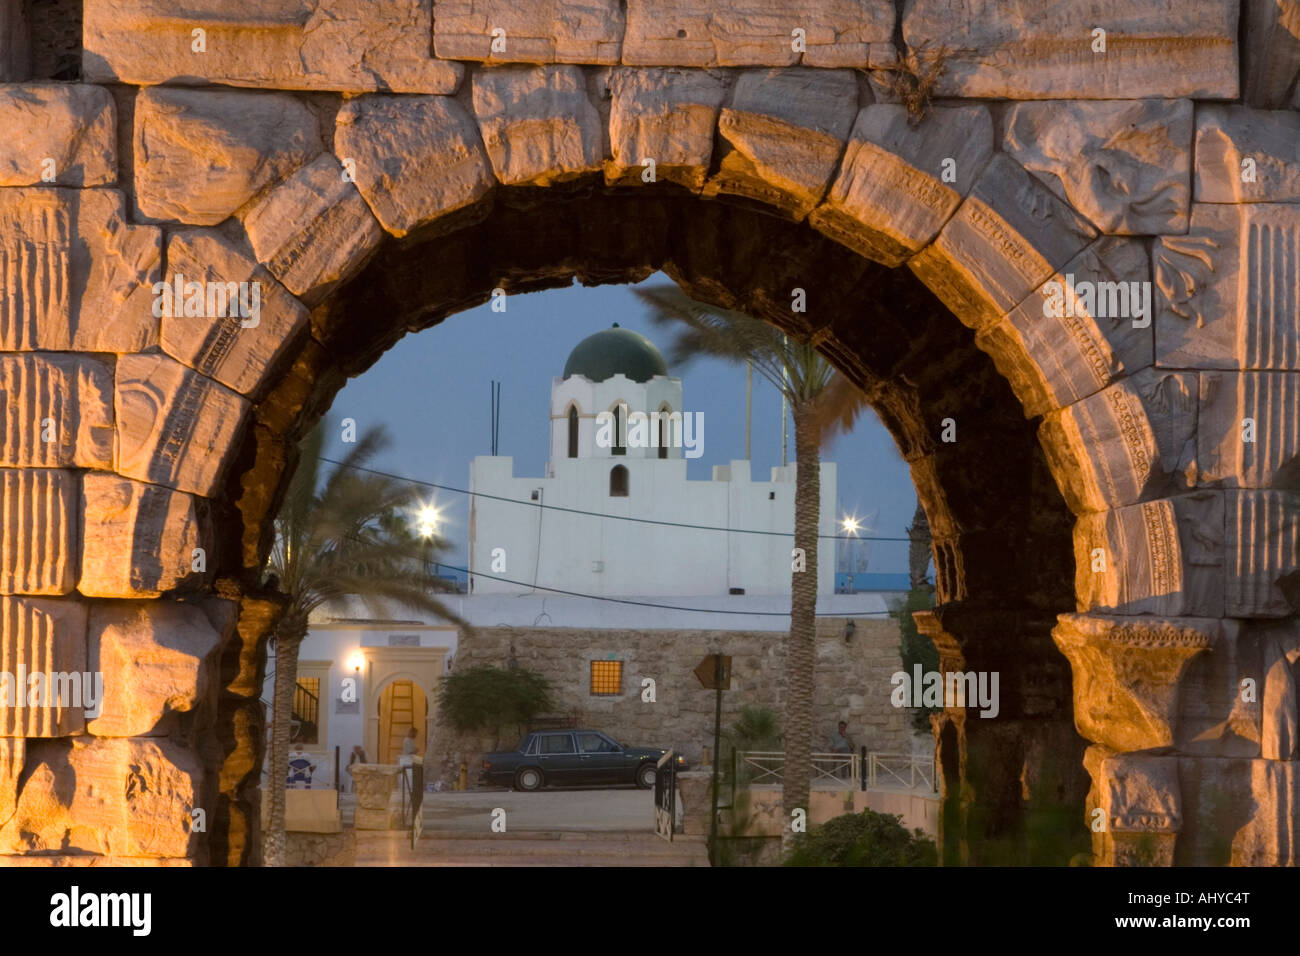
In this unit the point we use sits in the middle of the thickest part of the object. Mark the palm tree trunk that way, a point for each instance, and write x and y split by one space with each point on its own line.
800 649
289 634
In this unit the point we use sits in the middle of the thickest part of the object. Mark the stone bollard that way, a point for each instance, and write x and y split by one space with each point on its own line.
693 792
375 783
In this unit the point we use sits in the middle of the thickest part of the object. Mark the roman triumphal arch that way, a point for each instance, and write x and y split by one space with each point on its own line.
1065 235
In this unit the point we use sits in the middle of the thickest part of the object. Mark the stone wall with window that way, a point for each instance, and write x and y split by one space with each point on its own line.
583 666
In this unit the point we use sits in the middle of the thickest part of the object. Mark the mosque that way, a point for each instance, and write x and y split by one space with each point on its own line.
610 570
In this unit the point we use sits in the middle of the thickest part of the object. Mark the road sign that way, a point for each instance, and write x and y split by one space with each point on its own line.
714 672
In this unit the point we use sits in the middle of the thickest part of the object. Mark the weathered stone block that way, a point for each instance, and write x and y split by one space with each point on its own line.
158 658
784 132
1245 438
1006 239
1214 718
313 231
107 796
1158 557
39 555
221 343
1260 542
539 126
68 258
1056 347
1245 155
836 33
350 46
1046 49
57 134
174 427
1134 440
417 158
47 637
669 116
139 540
1228 295
202 154
898 184
1142 793
1123 165
1127 674
1271 51
55 411
543 31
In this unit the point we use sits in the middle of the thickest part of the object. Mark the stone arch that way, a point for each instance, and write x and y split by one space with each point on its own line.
174 438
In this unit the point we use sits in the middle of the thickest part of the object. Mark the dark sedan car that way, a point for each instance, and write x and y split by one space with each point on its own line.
572 758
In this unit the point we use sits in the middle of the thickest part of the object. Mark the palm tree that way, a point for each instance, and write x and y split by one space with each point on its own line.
822 401
343 541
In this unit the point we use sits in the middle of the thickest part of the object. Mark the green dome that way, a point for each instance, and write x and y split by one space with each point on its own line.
609 352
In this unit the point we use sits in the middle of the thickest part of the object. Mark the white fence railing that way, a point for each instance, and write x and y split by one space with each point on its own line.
837 771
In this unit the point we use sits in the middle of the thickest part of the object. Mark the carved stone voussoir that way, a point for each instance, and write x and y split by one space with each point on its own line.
314 230
784 132
243 320
898 184
416 158
1006 239
1159 557
668 116
1086 327
1133 440
174 426
539 126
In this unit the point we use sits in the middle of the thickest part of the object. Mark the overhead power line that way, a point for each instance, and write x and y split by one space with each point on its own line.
598 514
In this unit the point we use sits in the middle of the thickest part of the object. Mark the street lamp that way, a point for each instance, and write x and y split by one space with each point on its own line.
426 521
850 524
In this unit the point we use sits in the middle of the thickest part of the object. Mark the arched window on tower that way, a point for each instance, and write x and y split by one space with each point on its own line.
619 448
573 431
665 431
618 482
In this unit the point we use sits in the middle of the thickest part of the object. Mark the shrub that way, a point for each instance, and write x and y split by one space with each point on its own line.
863 839
490 698
915 648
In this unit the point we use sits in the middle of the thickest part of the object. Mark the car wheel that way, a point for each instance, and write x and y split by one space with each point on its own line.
645 776
529 778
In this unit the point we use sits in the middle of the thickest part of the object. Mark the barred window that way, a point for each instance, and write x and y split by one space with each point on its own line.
606 678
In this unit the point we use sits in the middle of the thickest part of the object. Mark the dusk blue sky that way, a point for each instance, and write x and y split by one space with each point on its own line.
432 392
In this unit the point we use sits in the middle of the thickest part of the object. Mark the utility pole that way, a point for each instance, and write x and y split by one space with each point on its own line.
749 404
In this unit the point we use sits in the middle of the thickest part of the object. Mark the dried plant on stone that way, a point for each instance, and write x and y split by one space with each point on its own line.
912 77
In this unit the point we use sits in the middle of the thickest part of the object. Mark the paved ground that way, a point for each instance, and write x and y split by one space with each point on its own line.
608 848
547 810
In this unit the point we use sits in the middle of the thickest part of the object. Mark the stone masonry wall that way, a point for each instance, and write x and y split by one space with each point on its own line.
852 684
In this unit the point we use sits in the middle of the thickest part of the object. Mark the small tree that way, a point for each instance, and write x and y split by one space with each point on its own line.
863 839
488 698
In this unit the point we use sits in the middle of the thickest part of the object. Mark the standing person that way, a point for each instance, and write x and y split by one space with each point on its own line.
358 756
408 745
842 743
